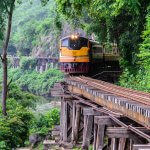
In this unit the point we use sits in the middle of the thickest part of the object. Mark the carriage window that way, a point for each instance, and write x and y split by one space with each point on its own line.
84 42
97 49
65 43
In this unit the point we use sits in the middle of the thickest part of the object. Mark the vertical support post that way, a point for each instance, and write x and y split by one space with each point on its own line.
61 120
88 125
77 121
64 121
100 137
73 122
95 136
122 143
131 144
114 144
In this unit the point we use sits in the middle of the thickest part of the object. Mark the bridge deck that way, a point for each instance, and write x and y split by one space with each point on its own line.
92 109
131 107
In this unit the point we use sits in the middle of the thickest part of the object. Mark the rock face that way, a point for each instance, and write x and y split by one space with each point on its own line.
34 139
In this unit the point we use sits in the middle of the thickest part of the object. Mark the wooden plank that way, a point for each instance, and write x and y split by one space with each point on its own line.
141 147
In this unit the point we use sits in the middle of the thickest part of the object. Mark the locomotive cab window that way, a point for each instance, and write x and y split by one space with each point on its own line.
65 42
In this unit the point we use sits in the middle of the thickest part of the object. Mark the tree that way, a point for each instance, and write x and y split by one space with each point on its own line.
7 7
121 21
144 55
6 13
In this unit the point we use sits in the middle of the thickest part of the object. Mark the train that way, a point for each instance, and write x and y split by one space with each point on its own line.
80 55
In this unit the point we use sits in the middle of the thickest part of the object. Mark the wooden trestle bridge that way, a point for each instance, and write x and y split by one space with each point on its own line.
104 115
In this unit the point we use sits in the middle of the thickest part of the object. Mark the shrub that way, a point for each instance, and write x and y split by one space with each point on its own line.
25 99
44 123
14 129
34 82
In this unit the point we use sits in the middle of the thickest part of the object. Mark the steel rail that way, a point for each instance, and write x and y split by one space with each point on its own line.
115 86
117 91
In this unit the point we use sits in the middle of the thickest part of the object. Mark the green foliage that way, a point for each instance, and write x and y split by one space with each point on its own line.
34 82
44 123
15 127
25 99
3 146
144 54
140 79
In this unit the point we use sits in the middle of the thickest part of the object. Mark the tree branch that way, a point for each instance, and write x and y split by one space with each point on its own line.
9 83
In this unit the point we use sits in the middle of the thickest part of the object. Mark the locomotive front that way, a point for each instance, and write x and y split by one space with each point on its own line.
74 54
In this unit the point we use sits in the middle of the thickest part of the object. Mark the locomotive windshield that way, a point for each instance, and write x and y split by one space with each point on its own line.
75 44
78 43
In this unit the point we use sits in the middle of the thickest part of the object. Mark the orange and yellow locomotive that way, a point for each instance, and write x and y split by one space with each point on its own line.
78 53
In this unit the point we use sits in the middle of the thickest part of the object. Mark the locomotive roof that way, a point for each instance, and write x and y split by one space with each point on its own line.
71 35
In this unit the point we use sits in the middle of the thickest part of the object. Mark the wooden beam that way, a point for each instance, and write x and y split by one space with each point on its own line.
141 147
103 120
121 132
91 111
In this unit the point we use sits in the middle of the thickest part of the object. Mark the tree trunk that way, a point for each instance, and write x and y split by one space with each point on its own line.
4 59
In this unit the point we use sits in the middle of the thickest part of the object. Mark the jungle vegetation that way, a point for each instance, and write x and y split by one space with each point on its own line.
17 121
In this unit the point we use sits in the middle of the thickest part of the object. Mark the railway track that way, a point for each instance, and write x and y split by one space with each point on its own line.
137 96
102 104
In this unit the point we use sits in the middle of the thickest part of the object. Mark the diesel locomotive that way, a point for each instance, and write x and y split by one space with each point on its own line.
79 54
